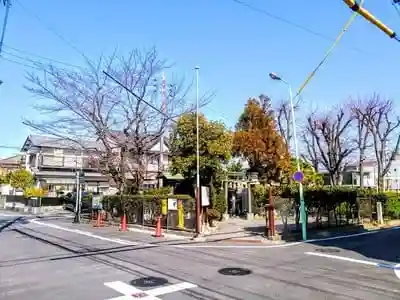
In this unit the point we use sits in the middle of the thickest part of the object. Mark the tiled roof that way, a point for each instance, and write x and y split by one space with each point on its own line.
53 142
16 159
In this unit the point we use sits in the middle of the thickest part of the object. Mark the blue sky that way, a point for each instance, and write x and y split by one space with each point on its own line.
235 47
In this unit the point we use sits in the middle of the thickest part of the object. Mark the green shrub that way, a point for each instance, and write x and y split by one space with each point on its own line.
158 191
260 195
218 201
392 205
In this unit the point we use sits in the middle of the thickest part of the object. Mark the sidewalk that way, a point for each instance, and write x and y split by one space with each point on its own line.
48 214
238 230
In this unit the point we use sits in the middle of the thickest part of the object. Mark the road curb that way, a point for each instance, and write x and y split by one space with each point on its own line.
246 241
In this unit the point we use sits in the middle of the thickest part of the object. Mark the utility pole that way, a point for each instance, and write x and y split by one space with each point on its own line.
78 197
164 110
77 218
198 188
354 6
7 4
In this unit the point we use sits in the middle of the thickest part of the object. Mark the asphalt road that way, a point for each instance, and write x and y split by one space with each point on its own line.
54 259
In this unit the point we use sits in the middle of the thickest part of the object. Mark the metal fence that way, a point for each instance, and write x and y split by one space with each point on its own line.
144 212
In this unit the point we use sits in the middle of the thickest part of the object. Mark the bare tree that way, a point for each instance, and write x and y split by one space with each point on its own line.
383 128
331 138
83 105
360 110
312 153
284 119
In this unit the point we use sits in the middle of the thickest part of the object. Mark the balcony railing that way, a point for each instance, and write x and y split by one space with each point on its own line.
48 160
71 161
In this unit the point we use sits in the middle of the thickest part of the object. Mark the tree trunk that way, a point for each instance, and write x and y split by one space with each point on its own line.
381 183
297 217
361 171
332 179
336 178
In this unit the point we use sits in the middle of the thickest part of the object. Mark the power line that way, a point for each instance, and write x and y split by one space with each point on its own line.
329 52
295 25
395 4
137 96
35 55
9 147
51 29
20 63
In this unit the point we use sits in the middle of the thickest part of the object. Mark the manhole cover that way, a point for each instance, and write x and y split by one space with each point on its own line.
149 282
234 271
327 250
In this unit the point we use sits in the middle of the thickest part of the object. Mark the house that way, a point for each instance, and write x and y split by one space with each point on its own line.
155 158
54 163
351 174
11 163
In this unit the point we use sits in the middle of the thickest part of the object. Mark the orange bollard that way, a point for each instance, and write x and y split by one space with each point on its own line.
99 220
158 232
123 223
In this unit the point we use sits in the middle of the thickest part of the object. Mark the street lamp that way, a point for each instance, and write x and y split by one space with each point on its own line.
303 214
198 203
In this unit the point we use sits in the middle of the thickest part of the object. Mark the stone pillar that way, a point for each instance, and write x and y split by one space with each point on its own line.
379 212
250 214
226 213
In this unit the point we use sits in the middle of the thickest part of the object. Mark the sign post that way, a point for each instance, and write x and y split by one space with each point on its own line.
299 177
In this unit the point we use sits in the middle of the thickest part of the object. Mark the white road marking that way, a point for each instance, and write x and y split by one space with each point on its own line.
10 215
349 259
395 268
131 292
284 245
89 234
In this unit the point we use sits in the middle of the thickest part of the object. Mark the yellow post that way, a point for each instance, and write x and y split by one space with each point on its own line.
181 219
352 4
164 207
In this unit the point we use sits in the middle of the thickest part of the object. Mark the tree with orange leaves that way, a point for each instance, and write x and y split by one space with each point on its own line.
257 139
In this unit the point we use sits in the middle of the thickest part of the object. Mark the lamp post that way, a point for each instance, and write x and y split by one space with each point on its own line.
198 202
303 214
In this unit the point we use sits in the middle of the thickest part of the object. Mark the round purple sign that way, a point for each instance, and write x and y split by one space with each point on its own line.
298 176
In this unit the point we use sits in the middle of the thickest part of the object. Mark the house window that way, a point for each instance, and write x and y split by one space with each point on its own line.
153 160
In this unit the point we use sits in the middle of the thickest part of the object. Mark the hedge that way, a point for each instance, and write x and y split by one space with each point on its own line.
344 204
